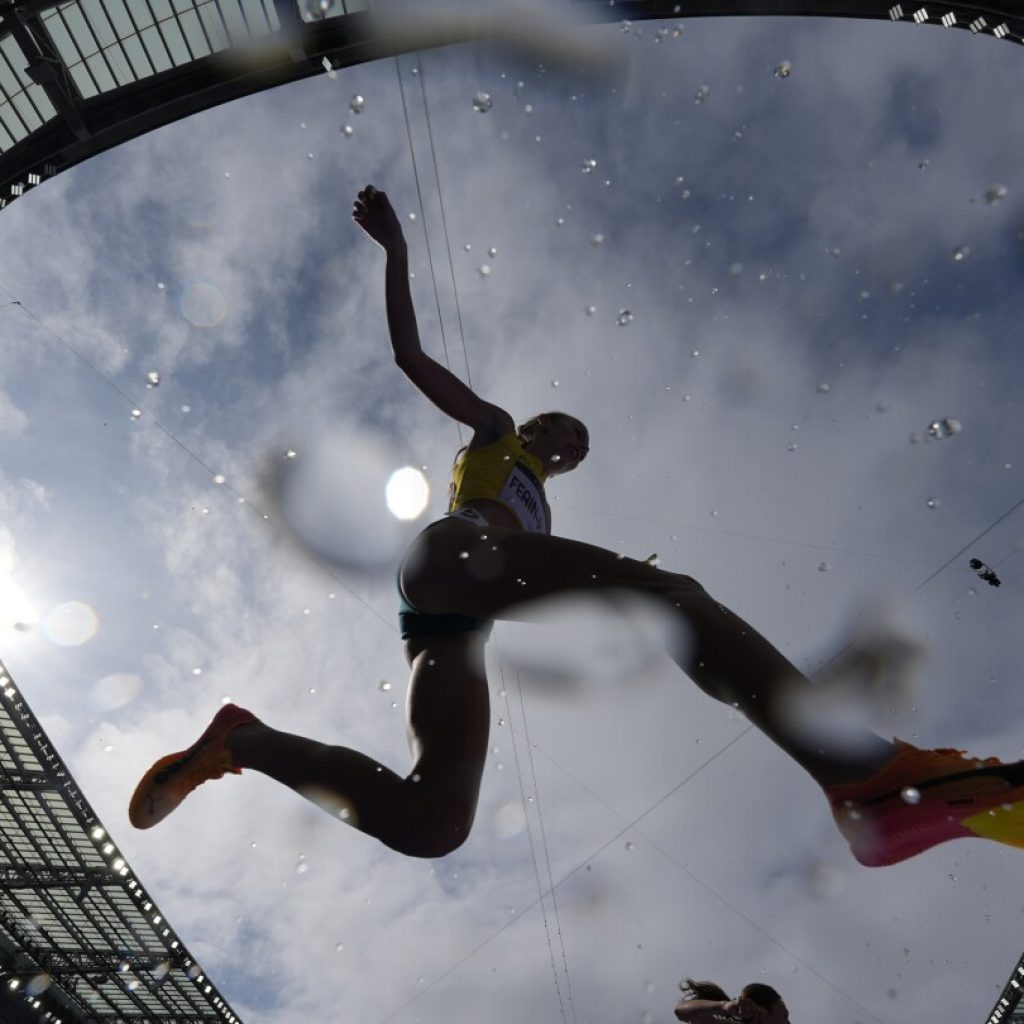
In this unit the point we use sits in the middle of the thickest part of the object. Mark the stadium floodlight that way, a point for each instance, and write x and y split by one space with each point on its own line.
78 77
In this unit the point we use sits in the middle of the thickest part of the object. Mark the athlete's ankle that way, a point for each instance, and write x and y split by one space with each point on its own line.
243 739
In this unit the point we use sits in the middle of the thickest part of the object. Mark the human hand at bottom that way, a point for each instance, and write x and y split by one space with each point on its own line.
746 1010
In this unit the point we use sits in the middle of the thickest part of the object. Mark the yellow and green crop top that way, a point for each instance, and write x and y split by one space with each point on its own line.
503 471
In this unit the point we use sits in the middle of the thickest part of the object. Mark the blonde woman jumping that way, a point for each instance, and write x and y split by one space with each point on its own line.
494 550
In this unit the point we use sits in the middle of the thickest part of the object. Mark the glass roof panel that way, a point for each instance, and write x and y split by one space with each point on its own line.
110 43
141 13
140 62
79 29
193 30
231 12
175 42
119 65
27 111
23 107
102 26
213 22
256 17
100 71
154 44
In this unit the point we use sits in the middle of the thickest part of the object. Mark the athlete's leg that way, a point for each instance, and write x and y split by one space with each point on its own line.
488 571
427 813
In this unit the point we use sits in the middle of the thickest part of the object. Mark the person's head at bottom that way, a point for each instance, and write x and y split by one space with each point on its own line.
705 1001
767 999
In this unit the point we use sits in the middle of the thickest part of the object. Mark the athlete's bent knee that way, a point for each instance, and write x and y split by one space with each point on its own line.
434 842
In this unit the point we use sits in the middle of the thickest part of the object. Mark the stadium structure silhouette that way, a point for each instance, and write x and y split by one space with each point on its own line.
79 77
82 940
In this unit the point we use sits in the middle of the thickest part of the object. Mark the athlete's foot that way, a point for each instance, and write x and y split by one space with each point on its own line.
925 797
173 777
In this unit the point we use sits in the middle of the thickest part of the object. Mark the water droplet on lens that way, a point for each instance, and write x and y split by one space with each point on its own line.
356 105
823 388
597 239
791 447
492 252
824 567
384 686
347 130
136 414
482 102
960 252
910 795
629 845
783 70
591 310
152 379
624 317
485 270
702 94
933 503
589 165
995 195
946 427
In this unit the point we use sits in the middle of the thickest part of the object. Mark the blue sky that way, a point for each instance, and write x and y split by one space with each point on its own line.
807 257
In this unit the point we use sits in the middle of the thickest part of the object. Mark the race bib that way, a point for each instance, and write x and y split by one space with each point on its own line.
524 494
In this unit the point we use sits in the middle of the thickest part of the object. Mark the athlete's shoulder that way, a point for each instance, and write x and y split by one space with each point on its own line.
500 426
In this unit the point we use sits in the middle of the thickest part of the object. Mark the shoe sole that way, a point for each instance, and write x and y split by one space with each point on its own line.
143 817
907 829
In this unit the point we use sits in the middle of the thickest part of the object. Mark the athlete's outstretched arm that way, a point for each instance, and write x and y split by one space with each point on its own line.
375 215
711 1011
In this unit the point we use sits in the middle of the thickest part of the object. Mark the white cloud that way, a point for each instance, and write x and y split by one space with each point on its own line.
750 876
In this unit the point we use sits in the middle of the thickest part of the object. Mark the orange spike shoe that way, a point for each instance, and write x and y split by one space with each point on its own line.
925 797
173 777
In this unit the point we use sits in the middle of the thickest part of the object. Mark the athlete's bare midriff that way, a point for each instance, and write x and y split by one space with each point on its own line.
494 512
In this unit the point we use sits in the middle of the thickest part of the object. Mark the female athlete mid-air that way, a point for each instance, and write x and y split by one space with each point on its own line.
494 550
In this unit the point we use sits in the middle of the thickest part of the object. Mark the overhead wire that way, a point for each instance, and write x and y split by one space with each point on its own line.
451 266
524 801
423 219
544 841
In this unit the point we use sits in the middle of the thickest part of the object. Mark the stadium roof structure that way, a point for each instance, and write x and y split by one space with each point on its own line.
81 76
81 939
1008 1008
